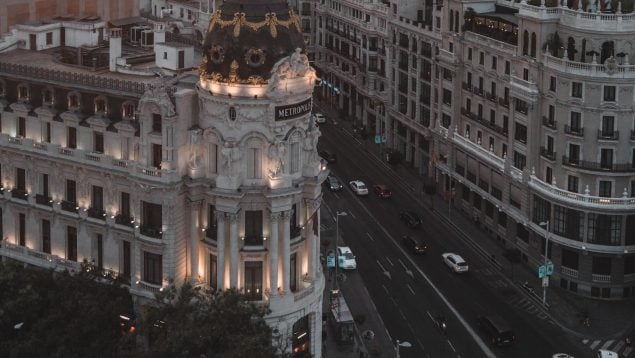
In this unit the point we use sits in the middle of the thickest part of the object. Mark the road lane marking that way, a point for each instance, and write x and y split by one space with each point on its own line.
385 289
353 215
385 272
406 268
402 315
451 346
370 237
477 339
595 344
618 346
390 262
336 195
421 344
411 290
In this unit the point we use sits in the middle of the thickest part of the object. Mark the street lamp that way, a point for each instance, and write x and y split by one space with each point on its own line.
404 344
337 240
545 224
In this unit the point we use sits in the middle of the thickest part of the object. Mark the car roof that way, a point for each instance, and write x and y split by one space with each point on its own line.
345 249
456 257
357 182
606 354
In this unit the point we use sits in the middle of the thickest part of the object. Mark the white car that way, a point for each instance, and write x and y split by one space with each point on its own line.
346 259
562 355
602 353
319 118
358 187
455 262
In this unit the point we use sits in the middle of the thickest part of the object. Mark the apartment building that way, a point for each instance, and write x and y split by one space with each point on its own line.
522 113
150 161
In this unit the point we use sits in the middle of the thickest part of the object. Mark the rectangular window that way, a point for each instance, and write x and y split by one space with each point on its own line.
604 229
606 158
548 175
601 265
507 67
46 137
520 133
97 198
572 183
574 153
71 191
253 227
20 179
552 83
494 62
156 123
46 236
293 272
254 163
253 280
576 89
99 142
151 219
542 210
49 38
469 54
152 268
502 219
126 259
124 205
21 127
604 188
481 58
22 229
100 251
576 121
520 161
568 223
522 233
71 243
609 93
608 126
71 139
213 272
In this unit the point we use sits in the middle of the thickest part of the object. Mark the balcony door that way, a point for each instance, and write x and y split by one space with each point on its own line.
253 280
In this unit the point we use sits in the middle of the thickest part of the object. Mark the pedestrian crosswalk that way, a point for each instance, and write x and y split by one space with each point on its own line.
616 345
528 306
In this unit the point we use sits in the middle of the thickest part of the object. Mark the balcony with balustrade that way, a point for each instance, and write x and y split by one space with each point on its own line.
574 131
69 206
96 213
42 199
604 166
585 201
567 271
150 231
608 134
19 193
124 220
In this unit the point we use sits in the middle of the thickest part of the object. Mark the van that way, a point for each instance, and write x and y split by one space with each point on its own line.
497 330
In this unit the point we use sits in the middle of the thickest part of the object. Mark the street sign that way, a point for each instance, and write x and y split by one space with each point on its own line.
377 139
545 281
330 261
384 139
549 269
542 271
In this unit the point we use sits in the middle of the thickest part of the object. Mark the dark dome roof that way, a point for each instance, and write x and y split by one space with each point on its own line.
245 38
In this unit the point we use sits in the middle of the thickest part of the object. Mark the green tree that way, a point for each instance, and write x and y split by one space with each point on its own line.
192 322
50 314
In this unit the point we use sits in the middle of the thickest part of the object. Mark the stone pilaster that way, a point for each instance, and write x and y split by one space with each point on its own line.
286 252
195 229
220 249
233 250
273 254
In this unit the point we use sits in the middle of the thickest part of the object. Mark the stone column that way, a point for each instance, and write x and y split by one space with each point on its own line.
233 250
273 254
220 249
286 252
194 238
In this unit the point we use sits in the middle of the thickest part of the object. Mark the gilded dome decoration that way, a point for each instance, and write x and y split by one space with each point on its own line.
253 36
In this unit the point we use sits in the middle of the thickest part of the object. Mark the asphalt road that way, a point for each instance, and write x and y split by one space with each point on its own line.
408 290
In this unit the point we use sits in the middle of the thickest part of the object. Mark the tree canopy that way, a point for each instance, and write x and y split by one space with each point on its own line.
192 322
50 314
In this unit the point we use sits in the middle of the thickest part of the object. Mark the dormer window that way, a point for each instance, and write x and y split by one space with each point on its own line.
23 93
128 110
100 105
73 101
47 97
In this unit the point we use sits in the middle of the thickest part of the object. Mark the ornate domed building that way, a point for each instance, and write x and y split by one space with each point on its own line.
254 164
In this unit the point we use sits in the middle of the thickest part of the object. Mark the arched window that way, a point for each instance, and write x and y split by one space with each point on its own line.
254 159
294 154
48 98
533 44
583 51
23 93
525 42
128 110
100 105
73 101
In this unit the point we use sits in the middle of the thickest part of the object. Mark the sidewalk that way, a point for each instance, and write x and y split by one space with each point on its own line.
611 321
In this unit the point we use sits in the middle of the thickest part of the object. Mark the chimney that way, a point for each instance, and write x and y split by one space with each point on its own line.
115 48
159 32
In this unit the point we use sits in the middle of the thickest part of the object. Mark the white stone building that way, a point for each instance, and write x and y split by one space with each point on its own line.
208 176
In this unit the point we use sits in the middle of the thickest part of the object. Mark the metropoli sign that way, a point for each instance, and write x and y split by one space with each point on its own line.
293 110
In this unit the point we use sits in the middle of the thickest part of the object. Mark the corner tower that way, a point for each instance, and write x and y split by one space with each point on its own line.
256 175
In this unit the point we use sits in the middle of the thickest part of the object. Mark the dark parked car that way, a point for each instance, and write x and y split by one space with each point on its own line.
410 218
496 329
333 183
328 156
415 245
382 191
